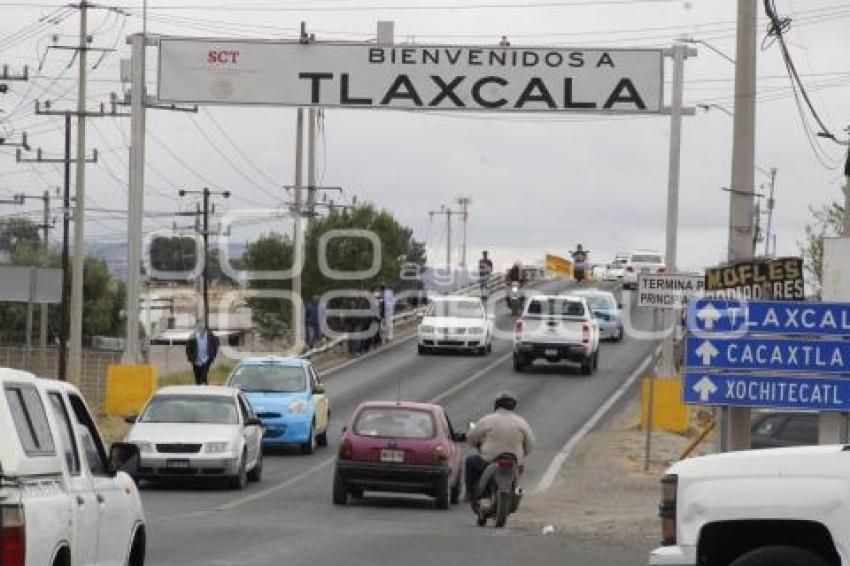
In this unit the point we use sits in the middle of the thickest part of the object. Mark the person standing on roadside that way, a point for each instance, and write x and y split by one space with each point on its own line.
386 306
485 268
201 350
311 322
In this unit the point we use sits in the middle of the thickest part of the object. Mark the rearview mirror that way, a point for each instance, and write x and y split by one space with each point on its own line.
131 419
619 305
253 421
124 457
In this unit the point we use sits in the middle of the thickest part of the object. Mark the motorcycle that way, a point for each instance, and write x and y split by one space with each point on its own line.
498 493
514 299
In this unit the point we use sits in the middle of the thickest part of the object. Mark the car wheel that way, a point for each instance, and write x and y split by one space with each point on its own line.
519 363
780 555
482 351
489 346
421 349
442 493
340 493
241 478
620 333
456 490
256 474
596 360
310 446
587 365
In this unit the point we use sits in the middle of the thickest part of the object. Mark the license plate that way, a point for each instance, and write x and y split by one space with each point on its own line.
392 456
177 463
551 352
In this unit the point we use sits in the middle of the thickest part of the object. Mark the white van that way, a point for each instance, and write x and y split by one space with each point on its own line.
64 500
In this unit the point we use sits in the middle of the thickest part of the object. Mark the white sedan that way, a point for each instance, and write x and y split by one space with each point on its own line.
199 432
455 323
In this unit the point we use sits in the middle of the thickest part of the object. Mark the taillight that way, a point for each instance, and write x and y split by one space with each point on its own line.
346 449
441 455
667 509
585 334
506 463
13 542
630 269
518 327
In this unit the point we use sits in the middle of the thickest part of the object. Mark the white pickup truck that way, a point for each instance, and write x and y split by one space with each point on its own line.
778 507
64 501
555 328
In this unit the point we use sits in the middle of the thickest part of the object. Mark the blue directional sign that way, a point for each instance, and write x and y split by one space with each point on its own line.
766 354
781 392
770 317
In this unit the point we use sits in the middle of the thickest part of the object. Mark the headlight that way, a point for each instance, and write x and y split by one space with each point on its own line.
297 407
145 447
216 447
426 329
476 330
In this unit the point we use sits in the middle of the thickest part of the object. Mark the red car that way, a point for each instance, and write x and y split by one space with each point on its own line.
399 447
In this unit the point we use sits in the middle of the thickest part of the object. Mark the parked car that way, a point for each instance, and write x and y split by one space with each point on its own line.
606 311
63 498
400 447
781 507
288 396
642 262
780 429
556 328
455 323
617 268
198 431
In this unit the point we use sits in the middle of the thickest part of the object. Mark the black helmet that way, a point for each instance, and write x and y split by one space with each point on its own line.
505 400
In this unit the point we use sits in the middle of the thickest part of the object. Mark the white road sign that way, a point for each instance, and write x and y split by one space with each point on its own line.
668 290
411 77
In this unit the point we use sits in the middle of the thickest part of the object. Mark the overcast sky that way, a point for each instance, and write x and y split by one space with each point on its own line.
537 184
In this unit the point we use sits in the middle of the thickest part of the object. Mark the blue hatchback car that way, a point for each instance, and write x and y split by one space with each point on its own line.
289 398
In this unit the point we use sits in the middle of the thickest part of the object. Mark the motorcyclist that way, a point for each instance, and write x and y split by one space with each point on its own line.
502 431
579 262
485 268
515 274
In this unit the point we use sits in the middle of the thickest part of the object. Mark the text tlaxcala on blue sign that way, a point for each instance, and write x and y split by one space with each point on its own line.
770 317
767 354
757 390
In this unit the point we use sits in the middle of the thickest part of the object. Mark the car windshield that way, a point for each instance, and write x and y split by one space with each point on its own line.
206 409
600 302
269 378
646 258
555 307
456 309
394 423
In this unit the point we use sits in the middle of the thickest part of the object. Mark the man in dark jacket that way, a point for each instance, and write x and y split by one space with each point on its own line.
201 350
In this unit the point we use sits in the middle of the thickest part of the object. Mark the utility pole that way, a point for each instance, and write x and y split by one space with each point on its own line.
771 204
464 203
311 163
757 235
735 424
297 229
45 246
66 160
205 234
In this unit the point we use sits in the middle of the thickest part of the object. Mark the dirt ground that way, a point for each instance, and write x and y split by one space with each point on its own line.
602 490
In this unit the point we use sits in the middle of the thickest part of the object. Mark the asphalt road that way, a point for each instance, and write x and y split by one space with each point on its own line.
288 518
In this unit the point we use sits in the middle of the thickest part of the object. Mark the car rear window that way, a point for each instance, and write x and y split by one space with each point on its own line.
391 422
269 378
205 409
555 307
646 258
30 420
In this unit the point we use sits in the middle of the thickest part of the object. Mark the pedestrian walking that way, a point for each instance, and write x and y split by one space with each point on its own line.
386 309
201 350
312 322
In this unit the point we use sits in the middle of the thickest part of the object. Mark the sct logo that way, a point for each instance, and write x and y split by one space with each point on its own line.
222 56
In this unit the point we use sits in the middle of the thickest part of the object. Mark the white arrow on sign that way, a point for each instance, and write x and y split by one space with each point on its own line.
706 388
709 315
707 352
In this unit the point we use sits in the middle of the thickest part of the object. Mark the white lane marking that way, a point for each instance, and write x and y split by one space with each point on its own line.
561 457
327 462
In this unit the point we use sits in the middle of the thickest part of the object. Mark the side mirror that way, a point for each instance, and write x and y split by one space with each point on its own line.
319 390
619 305
253 421
459 437
124 457
131 419
420 316
344 429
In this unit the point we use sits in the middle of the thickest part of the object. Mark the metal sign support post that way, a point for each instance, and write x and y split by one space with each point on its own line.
33 283
650 410
678 53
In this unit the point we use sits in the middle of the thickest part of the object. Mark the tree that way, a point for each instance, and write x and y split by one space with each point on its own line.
271 252
827 221
178 254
